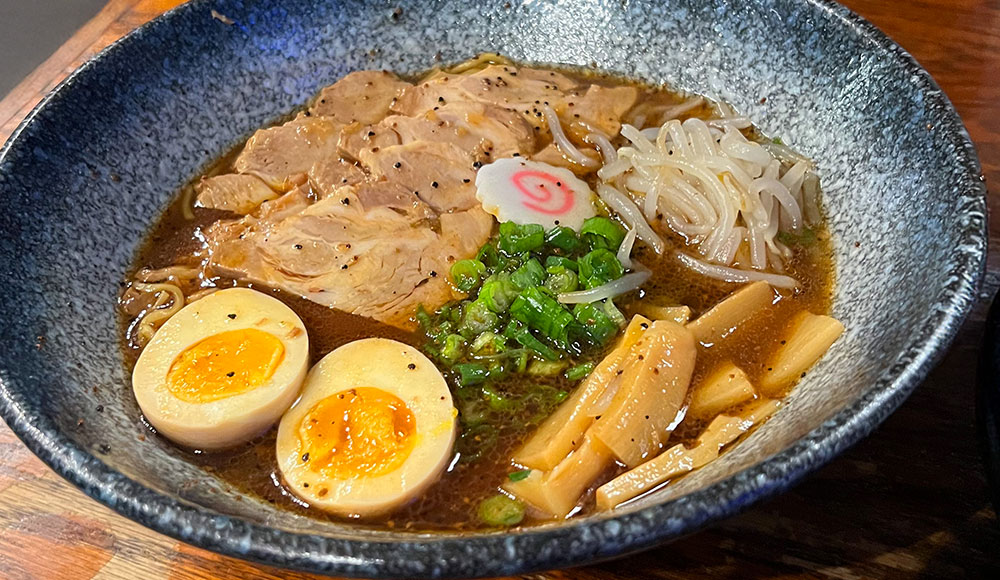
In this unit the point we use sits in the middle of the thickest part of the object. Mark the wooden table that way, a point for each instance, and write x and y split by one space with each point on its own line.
909 502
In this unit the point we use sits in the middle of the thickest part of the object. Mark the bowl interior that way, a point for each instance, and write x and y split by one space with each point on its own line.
98 162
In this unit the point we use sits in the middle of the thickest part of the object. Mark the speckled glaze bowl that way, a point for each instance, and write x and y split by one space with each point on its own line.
90 169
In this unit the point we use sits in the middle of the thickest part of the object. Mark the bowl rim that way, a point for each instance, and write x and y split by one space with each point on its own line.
580 541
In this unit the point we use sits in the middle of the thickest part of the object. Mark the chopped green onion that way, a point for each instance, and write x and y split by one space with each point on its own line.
476 319
423 319
806 238
552 261
540 311
519 475
497 370
500 510
580 372
515 238
513 327
511 323
469 402
466 274
470 374
528 340
777 141
488 256
546 368
444 328
598 327
531 273
498 292
488 342
602 232
564 239
496 401
522 361
510 263
599 267
453 349
560 279
453 316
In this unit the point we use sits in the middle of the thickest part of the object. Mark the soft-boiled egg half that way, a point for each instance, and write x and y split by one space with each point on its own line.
222 369
374 427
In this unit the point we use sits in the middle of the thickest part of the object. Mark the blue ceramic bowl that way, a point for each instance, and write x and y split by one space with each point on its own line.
94 164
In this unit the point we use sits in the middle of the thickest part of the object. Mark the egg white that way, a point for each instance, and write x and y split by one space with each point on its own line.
234 419
397 369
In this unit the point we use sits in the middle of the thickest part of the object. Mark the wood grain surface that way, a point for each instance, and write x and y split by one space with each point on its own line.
908 502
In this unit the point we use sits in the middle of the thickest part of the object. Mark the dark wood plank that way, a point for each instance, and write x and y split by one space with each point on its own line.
909 502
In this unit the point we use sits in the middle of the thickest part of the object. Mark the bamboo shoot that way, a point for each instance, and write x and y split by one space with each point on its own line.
558 491
724 388
563 430
678 314
807 338
679 460
736 309
656 374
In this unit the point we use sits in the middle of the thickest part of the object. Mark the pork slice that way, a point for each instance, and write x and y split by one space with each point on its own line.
525 91
506 131
372 262
485 132
276 210
464 233
225 238
418 99
283 155
357 137
599 108
427 128
379 193
233 192
521 90
461 236
441 174
362 96
328 175
330 179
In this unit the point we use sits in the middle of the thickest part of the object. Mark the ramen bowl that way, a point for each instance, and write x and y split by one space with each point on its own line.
90 169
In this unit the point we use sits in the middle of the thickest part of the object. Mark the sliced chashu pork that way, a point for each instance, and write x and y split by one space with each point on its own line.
505 86
378 238
525 91
506 131
485 132
356 138
233 192
283 155
598 107
441 174
330 174
363 97
581 108
372 261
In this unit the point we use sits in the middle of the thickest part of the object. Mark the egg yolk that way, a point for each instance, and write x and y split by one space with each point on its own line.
224 365
360 432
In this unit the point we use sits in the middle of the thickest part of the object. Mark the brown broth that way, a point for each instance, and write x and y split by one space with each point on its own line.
450 504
